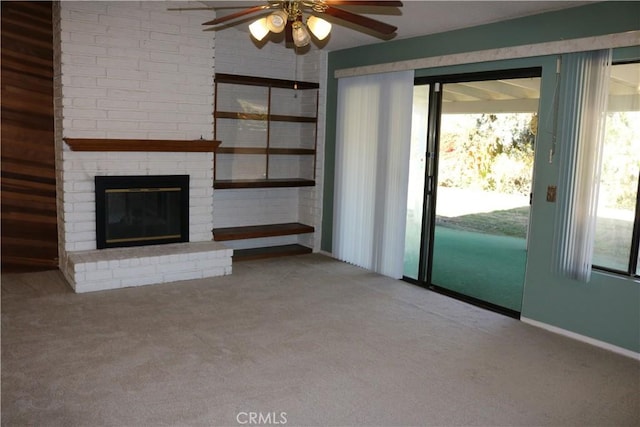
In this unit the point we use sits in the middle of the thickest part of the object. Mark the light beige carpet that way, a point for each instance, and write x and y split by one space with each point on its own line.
306 340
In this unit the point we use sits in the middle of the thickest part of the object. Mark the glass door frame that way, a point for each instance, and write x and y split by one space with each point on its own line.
430 195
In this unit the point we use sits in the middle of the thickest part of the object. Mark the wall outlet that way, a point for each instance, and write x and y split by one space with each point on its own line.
551 193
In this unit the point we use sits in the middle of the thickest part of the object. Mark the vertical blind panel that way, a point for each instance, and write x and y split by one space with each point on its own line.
372 155
585 93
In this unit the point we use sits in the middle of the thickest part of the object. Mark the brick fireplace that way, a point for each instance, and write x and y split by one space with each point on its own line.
88 268
133 93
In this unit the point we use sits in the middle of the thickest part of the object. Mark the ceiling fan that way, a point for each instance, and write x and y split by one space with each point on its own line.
290 15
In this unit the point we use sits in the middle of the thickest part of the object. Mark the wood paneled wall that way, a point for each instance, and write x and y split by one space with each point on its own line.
28 211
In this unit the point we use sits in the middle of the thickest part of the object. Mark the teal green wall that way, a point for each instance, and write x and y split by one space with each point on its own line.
608 307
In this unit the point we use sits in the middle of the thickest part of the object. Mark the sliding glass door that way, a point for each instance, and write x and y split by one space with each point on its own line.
472 174
416 195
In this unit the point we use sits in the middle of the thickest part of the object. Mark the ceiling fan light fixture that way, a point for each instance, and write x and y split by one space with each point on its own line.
301 36
303 16
318 27
277 21
259 29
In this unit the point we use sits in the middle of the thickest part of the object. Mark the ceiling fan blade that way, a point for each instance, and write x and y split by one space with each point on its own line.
361 20
231 16
364 3
180 9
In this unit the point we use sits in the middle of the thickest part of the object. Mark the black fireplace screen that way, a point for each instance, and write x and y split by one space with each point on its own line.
141 210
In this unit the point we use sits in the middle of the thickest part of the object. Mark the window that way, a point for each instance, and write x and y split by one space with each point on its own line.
617 238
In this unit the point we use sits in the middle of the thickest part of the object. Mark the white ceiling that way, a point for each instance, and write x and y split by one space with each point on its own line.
415 18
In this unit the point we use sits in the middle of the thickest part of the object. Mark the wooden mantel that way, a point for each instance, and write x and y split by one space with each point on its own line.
143 145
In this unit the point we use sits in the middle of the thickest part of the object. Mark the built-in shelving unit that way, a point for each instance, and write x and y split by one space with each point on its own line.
267 128
260 119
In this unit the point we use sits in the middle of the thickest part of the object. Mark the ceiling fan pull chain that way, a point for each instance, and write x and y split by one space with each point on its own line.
295 72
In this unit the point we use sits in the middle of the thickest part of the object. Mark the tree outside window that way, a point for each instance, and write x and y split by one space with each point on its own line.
616 245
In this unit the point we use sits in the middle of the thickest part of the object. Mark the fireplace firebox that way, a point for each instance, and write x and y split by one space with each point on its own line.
141 210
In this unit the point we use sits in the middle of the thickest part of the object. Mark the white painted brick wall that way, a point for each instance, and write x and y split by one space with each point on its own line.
237 54
130 70
233 208
89 271
135 70
315 69
58 132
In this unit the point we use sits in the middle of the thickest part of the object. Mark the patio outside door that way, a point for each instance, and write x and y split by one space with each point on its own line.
471 170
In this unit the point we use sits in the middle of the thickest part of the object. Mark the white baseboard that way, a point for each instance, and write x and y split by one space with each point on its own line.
588 340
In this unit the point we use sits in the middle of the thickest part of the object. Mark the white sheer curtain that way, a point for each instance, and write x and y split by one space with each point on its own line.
584 93
373 136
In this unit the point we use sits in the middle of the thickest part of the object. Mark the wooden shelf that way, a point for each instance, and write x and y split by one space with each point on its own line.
240 116
269 252
262 183
143 145
263 81
257 231
241 150
264 117
263 150
292 151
